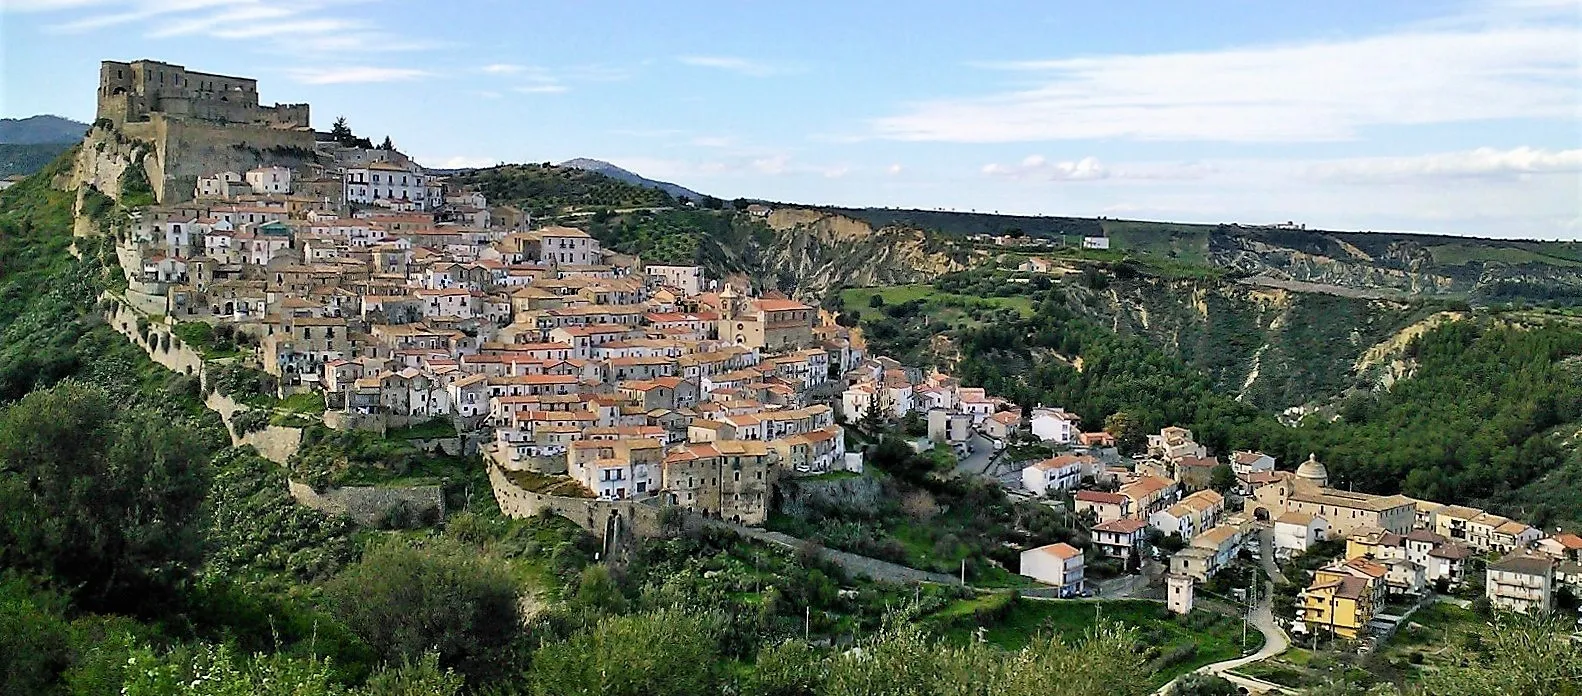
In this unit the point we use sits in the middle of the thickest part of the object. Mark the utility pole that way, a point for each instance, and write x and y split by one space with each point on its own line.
807 622
963 572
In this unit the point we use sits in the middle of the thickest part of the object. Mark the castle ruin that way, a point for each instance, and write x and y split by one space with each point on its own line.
136 91
197 123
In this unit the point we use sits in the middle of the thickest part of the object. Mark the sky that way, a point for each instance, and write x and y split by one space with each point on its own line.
1454 116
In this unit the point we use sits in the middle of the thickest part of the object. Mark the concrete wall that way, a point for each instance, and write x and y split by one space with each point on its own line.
370 505
638 519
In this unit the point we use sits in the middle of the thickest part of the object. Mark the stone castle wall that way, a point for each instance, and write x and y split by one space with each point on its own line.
186 150
593 515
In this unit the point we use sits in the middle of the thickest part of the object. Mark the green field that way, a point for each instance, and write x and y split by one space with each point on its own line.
1456 254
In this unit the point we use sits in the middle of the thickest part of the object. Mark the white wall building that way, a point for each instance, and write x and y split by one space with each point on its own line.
386 184
267 180
1059 565
1055 425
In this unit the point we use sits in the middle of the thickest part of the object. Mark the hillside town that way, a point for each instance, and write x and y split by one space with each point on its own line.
573 371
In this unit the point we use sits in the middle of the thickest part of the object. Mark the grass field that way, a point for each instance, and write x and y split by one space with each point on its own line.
1462 254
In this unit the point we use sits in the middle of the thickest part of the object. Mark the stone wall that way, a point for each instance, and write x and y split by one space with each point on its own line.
186 150
640 519
373 506
180 358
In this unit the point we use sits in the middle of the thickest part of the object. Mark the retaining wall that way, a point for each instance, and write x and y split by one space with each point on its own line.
372 505
591 514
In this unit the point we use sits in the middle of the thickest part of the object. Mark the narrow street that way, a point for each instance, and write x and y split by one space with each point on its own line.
978 460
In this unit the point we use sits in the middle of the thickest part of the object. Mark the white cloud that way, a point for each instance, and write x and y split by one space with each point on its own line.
540 89
713 141
740 66
502 68
1035 167
893 169
280 26
1484 162
1321 91
45 5
773 164
836 172
355 74
459 162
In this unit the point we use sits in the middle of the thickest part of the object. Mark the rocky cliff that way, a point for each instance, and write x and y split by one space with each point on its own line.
813 252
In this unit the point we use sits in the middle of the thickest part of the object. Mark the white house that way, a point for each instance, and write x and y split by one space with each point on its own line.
568 246
690 280
1095 242
1119 538
217 186
1061 473
1296 532
1055 425
1522 583
1059 565
272 179
382 182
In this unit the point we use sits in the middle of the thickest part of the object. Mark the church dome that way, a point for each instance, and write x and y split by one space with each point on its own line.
1312 470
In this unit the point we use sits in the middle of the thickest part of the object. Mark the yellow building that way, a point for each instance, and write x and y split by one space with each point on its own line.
1340 604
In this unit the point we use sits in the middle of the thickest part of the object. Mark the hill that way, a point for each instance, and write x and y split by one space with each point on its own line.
1362 264
34 130
27 144
547 190
26 159
676 191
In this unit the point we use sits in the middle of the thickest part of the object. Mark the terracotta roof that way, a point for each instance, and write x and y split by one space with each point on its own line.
1061 550
1125 525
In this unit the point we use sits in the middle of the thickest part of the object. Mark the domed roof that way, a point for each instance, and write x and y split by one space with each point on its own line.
1312 470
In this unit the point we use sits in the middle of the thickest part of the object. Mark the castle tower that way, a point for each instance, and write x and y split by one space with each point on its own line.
1180 593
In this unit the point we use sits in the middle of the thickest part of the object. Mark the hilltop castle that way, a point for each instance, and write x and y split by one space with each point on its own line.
196 123
135 91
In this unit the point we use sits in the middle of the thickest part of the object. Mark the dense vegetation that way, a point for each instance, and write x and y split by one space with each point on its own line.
28 158
546 190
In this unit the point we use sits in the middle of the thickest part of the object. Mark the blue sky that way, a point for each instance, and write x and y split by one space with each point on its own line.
1461 116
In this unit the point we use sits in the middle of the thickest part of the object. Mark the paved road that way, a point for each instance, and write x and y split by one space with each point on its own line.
977 462
1266 555
1274 642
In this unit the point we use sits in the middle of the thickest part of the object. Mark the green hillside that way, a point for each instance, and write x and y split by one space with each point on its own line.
29 158
548 190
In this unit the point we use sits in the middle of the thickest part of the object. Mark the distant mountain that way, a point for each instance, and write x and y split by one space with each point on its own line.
35 130
619 174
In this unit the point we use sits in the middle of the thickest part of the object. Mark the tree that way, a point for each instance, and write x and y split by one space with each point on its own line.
1222 478
35 642
1195 684
443 597
104 499
341 132
1521 656
1129 434
664 653
876 300
387 145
